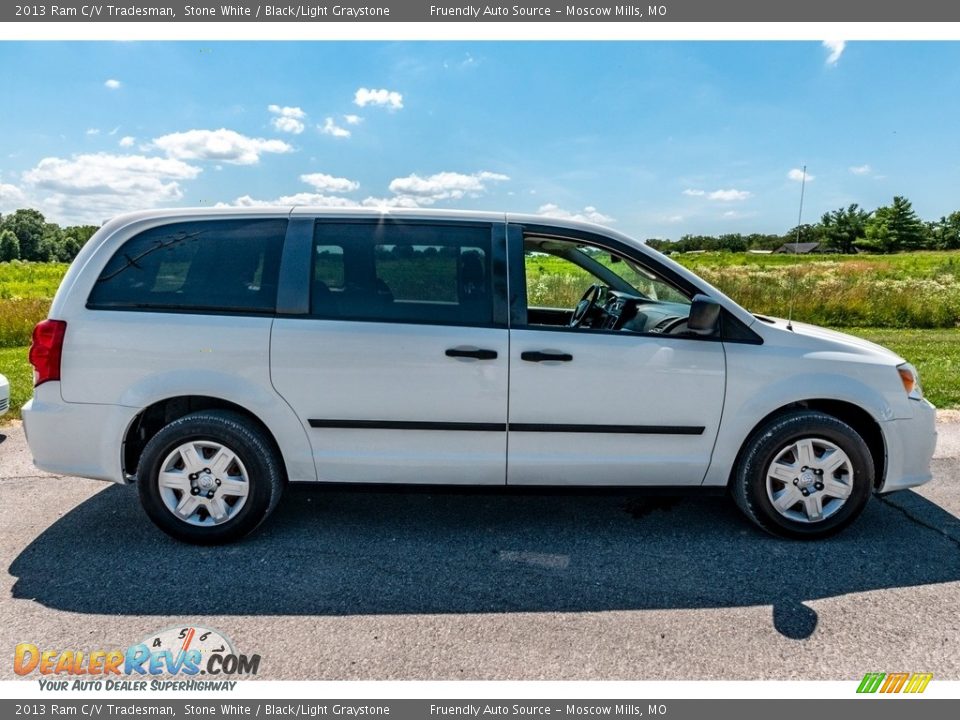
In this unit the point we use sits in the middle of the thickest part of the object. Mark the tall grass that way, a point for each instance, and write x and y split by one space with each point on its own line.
26 289
17 318
915 290
20 279
842 294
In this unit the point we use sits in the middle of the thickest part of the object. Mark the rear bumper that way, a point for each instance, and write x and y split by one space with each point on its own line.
81 439
910 446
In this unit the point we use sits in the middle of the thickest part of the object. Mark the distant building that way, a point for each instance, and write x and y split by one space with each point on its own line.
798 248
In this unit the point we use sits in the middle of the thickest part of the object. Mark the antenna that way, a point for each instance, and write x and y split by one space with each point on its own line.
793 275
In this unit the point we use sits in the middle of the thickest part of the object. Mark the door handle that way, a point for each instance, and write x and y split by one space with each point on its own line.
475 353
545 356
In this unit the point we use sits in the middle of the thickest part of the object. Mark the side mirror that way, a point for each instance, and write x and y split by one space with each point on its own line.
704 315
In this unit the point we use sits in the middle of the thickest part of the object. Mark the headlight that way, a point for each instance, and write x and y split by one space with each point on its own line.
911 381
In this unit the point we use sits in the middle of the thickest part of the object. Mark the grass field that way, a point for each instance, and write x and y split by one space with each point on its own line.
13 364
909 303
26 289
910 290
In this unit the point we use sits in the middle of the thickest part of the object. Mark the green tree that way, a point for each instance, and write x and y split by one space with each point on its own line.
841 228
945 232
28 226
759 241
50 245
9 246
894 227
803 233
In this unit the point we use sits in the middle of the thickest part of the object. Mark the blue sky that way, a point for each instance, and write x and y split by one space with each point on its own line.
656 139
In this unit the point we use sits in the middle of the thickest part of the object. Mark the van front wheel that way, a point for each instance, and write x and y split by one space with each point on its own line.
209 477
804 474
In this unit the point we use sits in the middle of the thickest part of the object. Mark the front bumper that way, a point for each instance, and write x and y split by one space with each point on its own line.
910 445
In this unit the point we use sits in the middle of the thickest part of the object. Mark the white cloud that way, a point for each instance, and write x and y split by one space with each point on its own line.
103 172
329 127
90 187
861 169
314 199
737 215
444 185
221 145
328 183
836 48
352 119
11 197
380 98
588 214
288 119
399 201
127 141
675 219
796 174
93 131
730 195
112 84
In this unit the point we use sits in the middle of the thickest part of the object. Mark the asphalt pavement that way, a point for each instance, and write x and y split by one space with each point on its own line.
480 585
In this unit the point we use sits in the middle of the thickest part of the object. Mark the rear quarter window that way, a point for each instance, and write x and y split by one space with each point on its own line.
210 265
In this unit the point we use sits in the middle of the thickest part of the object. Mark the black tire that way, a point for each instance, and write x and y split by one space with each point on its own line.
749 484
252 447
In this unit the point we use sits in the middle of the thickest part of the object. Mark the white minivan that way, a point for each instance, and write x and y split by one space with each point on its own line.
212 356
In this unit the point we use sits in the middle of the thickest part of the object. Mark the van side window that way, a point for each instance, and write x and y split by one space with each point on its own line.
211 265
402 272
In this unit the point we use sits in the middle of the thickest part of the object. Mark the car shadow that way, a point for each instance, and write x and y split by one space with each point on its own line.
327 551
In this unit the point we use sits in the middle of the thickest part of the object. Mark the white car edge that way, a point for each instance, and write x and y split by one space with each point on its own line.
4 395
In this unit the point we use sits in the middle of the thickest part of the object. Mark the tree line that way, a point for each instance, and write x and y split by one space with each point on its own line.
891 228
26 235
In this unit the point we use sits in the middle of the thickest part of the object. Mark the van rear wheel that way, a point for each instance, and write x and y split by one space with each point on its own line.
804 474
210 477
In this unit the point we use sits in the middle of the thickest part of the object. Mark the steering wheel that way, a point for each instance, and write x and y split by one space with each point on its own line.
587 303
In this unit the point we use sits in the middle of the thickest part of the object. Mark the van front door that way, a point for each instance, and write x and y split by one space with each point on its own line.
606 400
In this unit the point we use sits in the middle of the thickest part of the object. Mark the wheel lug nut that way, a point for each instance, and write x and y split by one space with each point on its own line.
805 492
818 486
218 481
210 495
796 481
193 476
207 470
194 491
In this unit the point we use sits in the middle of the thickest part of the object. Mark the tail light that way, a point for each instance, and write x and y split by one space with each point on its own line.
46 350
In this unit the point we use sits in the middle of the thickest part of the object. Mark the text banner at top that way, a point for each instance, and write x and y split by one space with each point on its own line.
736 11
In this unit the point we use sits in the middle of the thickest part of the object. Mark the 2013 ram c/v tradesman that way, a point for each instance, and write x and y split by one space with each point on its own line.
211 356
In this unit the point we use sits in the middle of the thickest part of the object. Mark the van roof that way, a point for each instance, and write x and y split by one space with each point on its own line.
358 212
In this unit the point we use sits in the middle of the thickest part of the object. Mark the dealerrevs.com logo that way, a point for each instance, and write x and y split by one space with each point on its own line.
184 653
